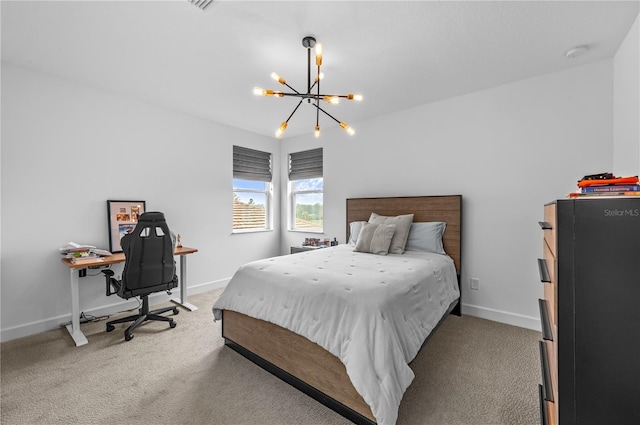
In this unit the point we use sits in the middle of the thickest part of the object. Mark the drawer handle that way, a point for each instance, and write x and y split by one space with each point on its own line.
546 374
544 271
545 225
544 321
543 406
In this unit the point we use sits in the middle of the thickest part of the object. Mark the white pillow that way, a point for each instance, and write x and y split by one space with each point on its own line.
375 238
354 231
427 237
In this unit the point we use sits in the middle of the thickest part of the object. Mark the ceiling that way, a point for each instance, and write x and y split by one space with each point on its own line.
397 54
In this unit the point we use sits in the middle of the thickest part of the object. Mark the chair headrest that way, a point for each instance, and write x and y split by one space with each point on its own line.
152 216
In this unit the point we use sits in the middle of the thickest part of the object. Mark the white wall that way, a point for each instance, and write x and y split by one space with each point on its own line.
66 149
626 105
507 150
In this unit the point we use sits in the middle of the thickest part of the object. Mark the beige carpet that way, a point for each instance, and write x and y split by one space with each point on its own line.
472 371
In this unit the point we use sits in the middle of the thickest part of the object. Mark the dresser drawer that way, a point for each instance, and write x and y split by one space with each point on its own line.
552 306
547 409
549 370
550 229
550 287
550 259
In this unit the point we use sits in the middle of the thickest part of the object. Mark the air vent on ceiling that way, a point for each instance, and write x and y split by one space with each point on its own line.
202 4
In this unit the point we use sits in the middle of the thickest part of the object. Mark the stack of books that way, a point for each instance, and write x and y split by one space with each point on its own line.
84 258
607 185
83 254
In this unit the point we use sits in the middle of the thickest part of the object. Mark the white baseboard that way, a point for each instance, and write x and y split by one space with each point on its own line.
45 325
506 317
55 322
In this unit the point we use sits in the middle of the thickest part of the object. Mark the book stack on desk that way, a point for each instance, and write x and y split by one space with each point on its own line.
85 259
82 254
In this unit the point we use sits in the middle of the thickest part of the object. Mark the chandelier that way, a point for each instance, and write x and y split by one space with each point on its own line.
311 97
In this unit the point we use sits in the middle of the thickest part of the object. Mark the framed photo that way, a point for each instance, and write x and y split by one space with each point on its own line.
123 217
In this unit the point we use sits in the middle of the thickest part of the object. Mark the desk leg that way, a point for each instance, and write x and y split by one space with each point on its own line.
74 327
182 301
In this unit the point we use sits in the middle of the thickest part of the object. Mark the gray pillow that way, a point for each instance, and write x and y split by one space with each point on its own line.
375 238
403 225
426 237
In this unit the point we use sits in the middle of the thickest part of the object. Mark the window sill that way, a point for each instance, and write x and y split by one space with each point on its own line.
317 232
245 231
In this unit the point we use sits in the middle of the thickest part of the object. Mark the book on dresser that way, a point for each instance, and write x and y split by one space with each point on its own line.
590 311
611 188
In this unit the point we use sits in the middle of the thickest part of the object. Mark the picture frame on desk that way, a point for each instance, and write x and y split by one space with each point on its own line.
122 218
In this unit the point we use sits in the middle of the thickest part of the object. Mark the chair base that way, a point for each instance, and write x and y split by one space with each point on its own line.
143 316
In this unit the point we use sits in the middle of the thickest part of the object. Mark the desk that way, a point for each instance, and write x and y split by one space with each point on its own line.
74 273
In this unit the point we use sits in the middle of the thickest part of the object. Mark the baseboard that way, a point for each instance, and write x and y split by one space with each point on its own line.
45 325
506 317
208 286
114 308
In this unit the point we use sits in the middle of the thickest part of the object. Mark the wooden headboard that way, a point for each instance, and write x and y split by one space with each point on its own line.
424 208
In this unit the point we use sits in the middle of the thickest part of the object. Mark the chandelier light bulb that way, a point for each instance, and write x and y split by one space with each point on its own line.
348 129
281 129
318 54
319 77
262 92
317 131
278 78
334 100
356 97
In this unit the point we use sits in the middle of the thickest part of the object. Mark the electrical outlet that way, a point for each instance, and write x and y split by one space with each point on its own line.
475 283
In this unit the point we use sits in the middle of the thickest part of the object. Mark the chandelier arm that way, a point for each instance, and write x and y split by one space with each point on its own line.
317 99
308 70
327 114
294 110
297 92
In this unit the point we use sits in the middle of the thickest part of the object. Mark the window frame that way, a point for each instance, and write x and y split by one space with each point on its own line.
300 168
292 206
264 174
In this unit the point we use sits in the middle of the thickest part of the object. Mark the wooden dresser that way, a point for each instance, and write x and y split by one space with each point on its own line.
590 313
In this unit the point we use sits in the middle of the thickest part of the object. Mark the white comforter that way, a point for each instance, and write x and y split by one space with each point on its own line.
372 312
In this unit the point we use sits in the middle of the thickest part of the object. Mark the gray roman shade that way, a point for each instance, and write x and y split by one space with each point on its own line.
305 165
250 164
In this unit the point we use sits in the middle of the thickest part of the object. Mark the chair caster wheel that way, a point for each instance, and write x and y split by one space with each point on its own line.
110 327
172 325
175 311
128 337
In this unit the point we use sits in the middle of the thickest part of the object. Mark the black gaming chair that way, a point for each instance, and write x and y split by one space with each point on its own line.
149 267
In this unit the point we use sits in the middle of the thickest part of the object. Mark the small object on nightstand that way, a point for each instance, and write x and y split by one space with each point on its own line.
179 241
303 248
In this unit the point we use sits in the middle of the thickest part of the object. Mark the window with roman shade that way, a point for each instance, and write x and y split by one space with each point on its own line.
306 190
252 175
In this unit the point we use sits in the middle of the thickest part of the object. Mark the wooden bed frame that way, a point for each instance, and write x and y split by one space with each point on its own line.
306 365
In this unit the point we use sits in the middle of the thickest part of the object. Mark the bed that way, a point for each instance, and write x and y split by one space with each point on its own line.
311 318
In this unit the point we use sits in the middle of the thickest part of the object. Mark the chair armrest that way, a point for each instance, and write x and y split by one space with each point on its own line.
111 282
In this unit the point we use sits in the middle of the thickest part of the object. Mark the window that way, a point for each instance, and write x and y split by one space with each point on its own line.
251 189
306 190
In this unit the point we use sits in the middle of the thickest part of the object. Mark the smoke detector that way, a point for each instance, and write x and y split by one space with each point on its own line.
576 51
